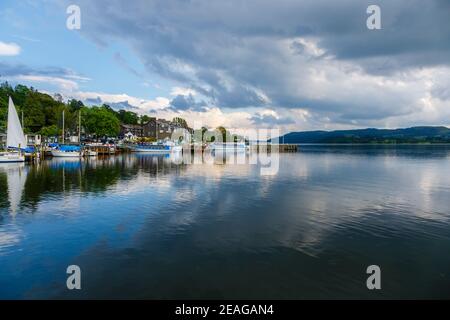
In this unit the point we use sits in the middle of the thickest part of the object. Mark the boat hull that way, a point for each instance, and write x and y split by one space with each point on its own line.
151 149
66 154
11 157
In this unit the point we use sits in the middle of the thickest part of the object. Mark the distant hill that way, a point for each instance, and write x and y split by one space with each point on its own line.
371 135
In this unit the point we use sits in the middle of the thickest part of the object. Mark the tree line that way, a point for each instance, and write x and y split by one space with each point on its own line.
42 113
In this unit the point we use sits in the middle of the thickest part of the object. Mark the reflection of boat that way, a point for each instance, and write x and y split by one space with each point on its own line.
152 155
15 137
174 147
68 163
90 153
177 148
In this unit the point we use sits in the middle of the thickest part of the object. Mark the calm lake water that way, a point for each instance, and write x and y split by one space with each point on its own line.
146 226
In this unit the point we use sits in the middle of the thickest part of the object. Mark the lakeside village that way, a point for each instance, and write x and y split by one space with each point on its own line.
34 125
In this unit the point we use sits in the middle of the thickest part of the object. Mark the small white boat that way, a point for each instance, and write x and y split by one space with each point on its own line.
67 152
227 147
6 157
15 138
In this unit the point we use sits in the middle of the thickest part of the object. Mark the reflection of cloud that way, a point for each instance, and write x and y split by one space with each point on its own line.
8 239
16 175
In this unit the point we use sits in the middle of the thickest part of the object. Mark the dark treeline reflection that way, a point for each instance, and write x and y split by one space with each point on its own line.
3 188
30 184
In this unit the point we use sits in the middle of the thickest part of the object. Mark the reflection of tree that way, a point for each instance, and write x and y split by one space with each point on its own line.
53 178
3 186
155 165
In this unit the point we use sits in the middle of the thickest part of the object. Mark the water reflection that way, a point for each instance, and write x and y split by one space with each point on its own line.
16 175
178 229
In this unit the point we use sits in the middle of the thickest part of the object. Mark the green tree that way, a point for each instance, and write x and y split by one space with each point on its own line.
128 117
75 105
180 121
33 111
100 121
3 117
50 131
144 119
224 133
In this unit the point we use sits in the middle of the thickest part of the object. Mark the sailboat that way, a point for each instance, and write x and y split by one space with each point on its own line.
15 137
66 151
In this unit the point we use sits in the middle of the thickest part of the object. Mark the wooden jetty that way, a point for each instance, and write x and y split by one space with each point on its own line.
103 149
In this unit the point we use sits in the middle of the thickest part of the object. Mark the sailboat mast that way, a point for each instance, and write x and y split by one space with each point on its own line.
79 126
63 127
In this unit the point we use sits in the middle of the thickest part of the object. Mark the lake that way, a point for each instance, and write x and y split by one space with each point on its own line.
154 227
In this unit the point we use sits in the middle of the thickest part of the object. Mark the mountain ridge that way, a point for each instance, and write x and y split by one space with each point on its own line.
419 134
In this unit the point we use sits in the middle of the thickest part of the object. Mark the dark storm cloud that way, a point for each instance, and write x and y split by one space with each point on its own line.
233 52
122 105
186 102
94 101
98 101
271 120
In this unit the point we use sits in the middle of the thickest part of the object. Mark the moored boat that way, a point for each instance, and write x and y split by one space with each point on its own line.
15 138
6 157
227 147
150 148
67 151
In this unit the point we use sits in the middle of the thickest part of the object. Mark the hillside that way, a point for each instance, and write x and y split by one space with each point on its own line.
425 134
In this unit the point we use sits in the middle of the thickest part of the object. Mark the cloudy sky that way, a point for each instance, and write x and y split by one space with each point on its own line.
296 65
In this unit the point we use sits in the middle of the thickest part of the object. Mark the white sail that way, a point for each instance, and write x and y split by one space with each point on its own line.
15 136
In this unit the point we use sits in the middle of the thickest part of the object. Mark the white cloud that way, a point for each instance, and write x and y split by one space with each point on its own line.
323 73
179 91
62 83
9 49
212 117
143 105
